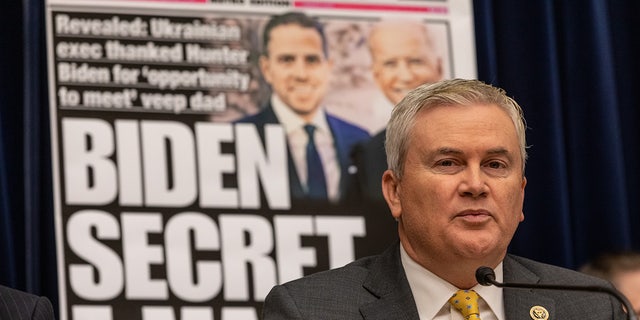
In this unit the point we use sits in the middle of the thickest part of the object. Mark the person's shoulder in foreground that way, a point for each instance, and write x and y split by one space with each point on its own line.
622 269
19 305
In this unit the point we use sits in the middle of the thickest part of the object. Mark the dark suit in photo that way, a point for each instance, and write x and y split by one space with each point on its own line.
365 191
370 159
345 136
18 305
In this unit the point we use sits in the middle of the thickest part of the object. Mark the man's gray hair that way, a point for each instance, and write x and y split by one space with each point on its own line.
447 92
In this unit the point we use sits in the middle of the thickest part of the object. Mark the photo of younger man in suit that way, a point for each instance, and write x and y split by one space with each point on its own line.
296 65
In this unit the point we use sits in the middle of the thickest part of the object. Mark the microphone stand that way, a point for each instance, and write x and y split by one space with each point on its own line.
486 277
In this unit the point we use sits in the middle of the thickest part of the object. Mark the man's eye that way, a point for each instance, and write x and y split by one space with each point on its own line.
286 59
390 64
446 163
313 59
417 62
496 165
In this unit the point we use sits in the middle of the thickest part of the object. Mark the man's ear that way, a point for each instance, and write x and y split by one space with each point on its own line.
330 62
524 184
440 68
264 68
391 191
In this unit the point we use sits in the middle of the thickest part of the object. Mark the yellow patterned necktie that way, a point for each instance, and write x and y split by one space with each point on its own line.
466 301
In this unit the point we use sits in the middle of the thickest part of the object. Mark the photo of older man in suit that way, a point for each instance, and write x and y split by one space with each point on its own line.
403 57
295 64
19 305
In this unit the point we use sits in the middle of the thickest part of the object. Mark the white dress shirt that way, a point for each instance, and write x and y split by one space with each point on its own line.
431 293
297 139
380 113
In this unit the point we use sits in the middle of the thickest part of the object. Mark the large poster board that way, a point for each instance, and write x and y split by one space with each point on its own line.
168 204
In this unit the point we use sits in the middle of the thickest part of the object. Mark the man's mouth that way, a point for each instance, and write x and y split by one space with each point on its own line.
474 215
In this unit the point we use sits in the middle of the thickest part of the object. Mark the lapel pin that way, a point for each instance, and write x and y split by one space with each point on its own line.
539 313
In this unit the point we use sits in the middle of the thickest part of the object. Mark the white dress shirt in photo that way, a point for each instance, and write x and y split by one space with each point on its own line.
297 140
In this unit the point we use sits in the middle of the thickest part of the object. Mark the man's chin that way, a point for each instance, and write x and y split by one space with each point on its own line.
396 97
304 109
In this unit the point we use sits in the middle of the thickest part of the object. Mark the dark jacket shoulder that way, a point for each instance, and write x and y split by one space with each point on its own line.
552 274
20 305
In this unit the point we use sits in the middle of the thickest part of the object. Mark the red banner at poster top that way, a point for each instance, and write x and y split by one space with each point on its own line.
370 7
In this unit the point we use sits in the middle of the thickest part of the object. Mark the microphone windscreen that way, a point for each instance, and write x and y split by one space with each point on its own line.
485 276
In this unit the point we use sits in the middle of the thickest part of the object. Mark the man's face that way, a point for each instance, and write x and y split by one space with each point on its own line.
296 67
462 190
629 285
402 59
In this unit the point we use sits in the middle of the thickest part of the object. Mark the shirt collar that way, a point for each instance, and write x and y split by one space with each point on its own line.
426 286
291 122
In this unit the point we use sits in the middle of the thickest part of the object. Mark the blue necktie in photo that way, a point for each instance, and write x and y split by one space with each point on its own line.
316 182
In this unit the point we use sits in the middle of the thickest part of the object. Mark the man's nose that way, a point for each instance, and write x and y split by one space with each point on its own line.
403 71
473 183
300 70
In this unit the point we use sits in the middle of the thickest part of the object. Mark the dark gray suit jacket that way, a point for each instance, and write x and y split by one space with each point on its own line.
376 288
18 305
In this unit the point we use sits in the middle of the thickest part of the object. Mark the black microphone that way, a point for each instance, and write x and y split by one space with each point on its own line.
486 277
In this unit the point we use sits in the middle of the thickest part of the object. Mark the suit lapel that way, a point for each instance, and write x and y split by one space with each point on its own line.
342 150
519 302
345 137
388 282
393 306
